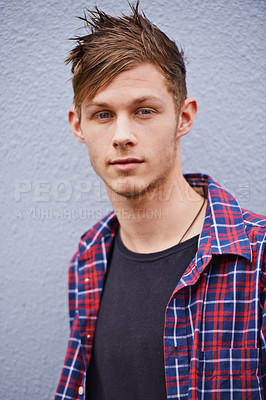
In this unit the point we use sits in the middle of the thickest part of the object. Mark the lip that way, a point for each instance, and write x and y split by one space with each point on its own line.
126 164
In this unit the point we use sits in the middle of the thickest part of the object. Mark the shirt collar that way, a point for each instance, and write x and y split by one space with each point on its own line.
224 224
223 229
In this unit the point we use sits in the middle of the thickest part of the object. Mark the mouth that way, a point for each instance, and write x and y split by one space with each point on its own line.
126 164
128 160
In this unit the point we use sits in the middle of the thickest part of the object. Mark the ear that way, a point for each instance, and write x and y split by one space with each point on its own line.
74 121
187 116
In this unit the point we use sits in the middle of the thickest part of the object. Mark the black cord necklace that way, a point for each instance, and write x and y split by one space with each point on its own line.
190 226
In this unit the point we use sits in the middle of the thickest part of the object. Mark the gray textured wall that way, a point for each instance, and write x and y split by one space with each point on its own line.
50 194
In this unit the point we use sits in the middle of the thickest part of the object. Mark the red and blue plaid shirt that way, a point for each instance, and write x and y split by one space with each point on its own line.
215 321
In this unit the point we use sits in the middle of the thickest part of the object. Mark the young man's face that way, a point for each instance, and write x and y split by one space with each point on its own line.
131 131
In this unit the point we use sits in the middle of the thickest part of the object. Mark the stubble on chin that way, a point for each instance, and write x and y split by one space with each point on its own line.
134 191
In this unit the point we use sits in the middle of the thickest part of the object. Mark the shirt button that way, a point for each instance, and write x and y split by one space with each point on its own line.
81 390
88 336
87 280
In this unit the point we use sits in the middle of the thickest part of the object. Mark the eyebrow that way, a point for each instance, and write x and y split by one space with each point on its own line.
96 104
135 102
146 98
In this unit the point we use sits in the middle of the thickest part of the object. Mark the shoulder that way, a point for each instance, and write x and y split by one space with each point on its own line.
92 239
255 226
254 223
102 230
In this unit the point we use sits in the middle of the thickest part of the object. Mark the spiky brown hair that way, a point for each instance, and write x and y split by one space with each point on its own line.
115 44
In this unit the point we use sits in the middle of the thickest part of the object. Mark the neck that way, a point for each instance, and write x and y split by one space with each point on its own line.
157 220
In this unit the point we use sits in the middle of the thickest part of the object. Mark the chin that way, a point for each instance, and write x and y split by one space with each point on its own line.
133 190
128 192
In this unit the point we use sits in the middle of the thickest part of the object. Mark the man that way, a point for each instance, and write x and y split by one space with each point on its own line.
167 293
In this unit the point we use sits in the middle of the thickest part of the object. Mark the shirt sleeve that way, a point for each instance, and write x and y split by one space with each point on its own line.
263 313
71 382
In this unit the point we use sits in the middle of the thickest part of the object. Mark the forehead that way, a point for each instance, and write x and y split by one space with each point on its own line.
143 80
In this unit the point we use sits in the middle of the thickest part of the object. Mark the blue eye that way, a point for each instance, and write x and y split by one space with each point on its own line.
145 111
104 115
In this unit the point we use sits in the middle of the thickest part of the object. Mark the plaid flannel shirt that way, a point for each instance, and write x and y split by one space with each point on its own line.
215 321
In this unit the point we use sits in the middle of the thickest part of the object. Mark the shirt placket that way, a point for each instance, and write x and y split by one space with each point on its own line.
176 349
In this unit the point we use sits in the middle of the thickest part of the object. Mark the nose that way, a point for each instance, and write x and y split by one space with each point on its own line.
123 133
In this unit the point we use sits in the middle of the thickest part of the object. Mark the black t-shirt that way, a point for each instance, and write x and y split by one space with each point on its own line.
128 359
